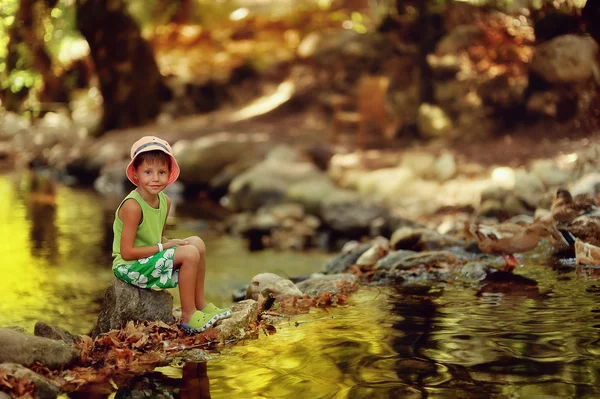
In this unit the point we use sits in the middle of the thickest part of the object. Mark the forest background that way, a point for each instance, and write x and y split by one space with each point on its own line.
456 70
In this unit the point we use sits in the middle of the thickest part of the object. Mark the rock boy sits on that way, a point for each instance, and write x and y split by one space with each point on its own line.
142 256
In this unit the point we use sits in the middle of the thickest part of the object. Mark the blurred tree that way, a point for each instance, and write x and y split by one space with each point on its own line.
24 31
130 82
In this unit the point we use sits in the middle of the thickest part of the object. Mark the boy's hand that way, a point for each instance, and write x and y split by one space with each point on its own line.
174 243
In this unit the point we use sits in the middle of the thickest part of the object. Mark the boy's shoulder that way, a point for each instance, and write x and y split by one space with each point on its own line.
131 204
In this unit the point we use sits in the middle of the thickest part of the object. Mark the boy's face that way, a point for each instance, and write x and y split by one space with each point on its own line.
152 176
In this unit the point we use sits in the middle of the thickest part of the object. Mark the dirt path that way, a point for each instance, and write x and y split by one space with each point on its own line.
310 129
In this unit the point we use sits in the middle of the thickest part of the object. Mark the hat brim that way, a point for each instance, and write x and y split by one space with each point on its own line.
173 173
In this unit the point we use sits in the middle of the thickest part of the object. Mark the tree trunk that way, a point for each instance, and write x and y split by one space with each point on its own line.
130 82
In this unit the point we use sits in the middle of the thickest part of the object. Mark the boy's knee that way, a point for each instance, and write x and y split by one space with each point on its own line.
190 252
198 243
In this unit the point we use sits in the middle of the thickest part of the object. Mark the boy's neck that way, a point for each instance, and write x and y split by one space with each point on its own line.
150 199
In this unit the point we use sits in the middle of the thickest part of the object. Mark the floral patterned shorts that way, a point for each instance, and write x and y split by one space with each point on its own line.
154 272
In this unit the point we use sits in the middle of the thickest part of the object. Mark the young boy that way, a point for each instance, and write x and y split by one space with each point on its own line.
142 256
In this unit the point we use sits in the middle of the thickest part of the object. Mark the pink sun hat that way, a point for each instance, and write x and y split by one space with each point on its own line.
151 143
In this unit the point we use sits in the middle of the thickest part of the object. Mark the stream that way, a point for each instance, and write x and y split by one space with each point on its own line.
439 341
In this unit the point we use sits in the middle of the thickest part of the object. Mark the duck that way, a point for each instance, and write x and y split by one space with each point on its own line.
586 253
585 228
565 207
506 239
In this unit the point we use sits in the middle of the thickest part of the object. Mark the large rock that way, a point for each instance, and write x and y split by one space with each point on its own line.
404 260
281 287
422 239
342 261
203 159
268 182
42 329
43 388
16 347
244 313
310 193
348 213
565 59
330 284
124 302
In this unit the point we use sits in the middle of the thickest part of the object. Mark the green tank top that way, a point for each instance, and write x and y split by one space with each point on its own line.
149 232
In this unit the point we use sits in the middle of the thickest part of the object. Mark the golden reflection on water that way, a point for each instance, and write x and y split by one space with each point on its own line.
52 247
56 256
341 353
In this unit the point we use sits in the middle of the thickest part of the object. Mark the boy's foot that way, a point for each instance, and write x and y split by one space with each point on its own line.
221 314
199 322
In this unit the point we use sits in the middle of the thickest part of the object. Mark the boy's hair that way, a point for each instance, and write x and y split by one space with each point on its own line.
151 157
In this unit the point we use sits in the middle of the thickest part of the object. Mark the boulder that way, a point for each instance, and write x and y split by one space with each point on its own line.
244 313
203 159
16 347
281 287
422 239
124 302
404 260
565 59
342 261
310 193
268 182
43 388
331 284
42 329
350 214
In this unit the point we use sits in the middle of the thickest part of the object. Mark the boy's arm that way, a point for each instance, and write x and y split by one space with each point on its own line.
165 239
131 215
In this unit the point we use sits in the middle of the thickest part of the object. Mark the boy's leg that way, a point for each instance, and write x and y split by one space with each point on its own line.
197 242
186 258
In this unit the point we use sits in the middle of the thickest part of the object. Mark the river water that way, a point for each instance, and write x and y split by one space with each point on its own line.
391 342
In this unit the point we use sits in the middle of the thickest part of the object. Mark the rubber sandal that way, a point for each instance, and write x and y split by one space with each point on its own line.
199 322
221 314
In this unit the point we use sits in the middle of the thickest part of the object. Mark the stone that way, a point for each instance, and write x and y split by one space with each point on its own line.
373 254
444 167
23 349
420 163
565 59
124 302
342 261
422 239
589 183
281 287
203 159
244 313
403 260
529 187
310 193
331 283
44 389
394 258
549 172
268 182
433 121
348 213
42 329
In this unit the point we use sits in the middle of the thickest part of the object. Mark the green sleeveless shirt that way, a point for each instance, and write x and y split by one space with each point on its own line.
149 232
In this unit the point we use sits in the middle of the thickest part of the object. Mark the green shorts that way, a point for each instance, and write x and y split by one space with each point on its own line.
155 272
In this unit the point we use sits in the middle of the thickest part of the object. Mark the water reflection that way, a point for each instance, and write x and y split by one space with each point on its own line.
405 342
56 244
192 384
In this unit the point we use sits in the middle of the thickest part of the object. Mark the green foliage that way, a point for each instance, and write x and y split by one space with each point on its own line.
55 28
